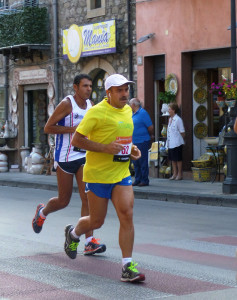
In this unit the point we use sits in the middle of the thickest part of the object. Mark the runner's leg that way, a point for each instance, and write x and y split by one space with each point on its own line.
83 196
123 199
65 185
98 210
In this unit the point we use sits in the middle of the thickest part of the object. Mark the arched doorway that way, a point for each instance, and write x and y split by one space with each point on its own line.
98 91
99 69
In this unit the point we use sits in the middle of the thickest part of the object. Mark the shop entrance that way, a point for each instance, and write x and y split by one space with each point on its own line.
35 117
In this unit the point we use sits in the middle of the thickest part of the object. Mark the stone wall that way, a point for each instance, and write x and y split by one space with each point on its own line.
75 12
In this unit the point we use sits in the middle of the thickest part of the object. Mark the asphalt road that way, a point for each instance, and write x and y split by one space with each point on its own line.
186 251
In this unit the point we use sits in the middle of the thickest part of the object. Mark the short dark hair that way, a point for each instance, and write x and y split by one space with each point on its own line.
174 106
78 78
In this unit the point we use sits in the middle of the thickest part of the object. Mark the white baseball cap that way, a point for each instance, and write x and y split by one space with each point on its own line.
116 80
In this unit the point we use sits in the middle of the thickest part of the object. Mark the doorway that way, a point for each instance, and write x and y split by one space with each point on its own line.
98 90
35 117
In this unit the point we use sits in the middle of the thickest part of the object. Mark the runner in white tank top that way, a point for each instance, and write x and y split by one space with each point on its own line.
63 123
64 151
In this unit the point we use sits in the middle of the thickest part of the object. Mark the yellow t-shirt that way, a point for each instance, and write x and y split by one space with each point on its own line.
104 124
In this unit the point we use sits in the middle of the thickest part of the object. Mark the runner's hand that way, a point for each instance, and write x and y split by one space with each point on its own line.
113 148
135 153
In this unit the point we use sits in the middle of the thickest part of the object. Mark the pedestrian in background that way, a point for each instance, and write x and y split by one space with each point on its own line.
142 135
175 141
235 126
68 160
106 134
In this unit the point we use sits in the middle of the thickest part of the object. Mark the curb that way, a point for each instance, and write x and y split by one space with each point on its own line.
188 198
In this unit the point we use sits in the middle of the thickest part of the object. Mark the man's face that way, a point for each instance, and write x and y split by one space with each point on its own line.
83 89
118 95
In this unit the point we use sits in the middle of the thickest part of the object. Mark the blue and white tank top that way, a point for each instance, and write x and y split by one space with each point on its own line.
64 151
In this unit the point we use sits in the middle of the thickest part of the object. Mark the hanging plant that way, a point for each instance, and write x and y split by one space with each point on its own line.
167 97
28 26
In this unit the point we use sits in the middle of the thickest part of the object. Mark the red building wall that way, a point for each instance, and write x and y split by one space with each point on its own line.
180 26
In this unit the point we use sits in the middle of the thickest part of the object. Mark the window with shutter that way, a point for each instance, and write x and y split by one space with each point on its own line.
95 8
31 3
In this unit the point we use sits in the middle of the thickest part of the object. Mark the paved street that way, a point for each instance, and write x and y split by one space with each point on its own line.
186 251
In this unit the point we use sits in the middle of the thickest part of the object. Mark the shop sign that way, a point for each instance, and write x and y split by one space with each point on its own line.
89 40
32 74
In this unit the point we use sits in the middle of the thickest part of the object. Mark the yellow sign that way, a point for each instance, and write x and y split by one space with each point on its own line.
89 40
73 45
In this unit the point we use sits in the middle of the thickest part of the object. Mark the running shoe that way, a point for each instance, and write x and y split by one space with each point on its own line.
70 245
131 274
94 247
38 221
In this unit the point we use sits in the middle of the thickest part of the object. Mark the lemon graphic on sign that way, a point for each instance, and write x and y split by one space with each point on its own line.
74 43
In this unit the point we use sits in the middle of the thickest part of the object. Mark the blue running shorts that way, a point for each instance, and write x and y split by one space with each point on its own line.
104 190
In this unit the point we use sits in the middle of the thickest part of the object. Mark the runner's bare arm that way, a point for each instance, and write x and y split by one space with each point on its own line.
63 109
80 141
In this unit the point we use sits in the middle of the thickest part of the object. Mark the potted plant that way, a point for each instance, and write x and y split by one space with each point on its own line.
166 97
230 90
217 89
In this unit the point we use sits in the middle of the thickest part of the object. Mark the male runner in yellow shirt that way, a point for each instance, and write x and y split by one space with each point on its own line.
106 133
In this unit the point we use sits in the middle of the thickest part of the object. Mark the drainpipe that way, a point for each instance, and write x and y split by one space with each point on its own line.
6 86
130 50
56 59
233 40
230 139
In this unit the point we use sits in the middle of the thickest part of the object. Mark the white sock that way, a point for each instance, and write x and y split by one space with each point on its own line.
74 235
41 213
88 239
126 260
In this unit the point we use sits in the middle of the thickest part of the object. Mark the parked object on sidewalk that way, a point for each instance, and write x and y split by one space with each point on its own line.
203 174
202 163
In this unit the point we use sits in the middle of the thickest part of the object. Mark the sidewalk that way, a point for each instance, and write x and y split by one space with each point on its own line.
185 191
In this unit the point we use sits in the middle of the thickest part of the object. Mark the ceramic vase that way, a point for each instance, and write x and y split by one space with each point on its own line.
164 109
164 130
24 153
3 163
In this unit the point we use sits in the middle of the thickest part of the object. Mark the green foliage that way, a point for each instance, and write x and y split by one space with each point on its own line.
166 97
28 26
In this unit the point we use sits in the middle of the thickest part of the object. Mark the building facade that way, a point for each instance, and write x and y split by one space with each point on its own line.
37 70
187 42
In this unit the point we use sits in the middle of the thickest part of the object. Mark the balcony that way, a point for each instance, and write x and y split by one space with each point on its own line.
24 32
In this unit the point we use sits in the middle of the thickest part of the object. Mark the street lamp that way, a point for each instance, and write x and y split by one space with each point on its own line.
230 139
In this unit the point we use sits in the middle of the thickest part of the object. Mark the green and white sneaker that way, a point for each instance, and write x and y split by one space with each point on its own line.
131 274
70 245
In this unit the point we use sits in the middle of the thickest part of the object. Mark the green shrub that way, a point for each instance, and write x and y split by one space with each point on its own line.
166 97
28 26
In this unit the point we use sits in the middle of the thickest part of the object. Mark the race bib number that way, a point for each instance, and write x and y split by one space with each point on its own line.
124 154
